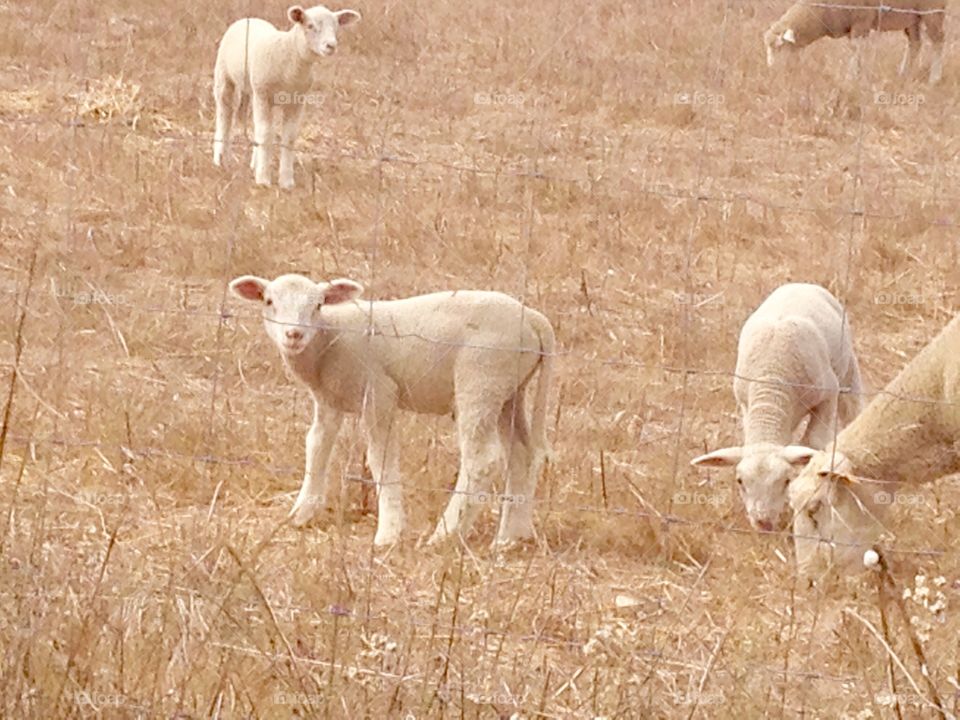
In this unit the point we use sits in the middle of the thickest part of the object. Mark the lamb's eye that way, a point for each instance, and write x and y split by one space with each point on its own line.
739 481
268 302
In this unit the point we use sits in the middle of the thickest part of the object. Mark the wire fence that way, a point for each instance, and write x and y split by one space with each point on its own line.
200 140
224 315
880 8
544 506
696 194
394 335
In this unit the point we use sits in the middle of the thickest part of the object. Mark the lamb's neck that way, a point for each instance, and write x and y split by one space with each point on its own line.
808 24
309 364
899 440
298 55
769 417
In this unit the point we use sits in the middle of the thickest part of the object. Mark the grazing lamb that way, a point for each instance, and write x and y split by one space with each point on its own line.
274 67
807 21
470 353
795 359
909 433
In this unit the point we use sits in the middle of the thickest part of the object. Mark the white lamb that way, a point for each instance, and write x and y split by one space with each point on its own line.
470 353
807 21
909 433
795 360
275 68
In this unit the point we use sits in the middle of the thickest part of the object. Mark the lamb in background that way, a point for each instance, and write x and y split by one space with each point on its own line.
472 353
795 360
909 433
806 22
273 69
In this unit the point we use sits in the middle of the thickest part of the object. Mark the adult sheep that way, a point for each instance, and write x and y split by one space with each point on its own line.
795 360
807 21
907 434
470 353
271 69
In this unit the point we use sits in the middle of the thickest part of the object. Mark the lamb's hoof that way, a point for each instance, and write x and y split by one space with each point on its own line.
286 184
515 540
301 514
441 536
386 538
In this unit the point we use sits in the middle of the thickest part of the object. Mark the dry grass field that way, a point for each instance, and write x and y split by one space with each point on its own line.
633 170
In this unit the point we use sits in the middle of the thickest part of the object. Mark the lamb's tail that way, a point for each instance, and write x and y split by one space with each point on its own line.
540 446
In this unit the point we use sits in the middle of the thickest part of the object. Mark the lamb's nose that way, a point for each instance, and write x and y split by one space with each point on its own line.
765 525
331 48
294 334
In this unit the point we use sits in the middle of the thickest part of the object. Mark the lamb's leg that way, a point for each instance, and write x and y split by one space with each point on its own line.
383 456
913 48
516 507
934 25
855 63
262 137
320 441
224 97
253 146
849 404
821 429
292 115
481 457
858 35
242 118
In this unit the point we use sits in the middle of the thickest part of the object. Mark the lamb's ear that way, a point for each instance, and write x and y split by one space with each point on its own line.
855 485
296 14
341 290
851 480
719 458
797 454
789 36
347 17
839 478
249 287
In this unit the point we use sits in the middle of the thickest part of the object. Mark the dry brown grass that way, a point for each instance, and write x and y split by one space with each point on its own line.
138 404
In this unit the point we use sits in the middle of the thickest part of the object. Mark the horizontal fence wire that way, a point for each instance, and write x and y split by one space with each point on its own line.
661 190
560 353
878 8
543 505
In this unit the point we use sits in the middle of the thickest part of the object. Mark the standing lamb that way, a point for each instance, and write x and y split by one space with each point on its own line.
805 22
909 433
470 353
275 68
795 359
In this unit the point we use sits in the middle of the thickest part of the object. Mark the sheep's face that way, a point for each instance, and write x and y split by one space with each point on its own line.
319 26
777 39
762 474
762 479
833 516
292 306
